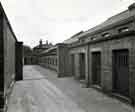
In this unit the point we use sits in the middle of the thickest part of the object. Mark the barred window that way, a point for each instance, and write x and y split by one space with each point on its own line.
106 34
124 29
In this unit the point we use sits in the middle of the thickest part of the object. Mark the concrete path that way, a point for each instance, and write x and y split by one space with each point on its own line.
42 91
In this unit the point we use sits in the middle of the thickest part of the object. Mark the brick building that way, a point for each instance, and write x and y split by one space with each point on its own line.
10 60
103 56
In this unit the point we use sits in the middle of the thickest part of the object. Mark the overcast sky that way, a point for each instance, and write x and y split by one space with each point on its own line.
57 20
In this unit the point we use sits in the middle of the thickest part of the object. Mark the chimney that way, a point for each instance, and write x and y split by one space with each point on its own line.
40 42
131 7
46 42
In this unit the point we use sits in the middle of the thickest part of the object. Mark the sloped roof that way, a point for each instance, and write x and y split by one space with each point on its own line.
45 51
111 21
73 39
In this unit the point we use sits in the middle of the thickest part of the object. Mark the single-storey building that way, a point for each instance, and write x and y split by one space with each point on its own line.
103 56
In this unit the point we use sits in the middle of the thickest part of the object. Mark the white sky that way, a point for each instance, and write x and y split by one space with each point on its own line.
57 20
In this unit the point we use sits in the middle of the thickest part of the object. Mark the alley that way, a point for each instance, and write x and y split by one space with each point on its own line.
42 91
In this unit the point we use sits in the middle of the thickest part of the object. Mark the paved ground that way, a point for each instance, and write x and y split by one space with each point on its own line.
42 91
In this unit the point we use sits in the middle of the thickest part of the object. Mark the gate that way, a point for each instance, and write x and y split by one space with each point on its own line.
120 72
96 68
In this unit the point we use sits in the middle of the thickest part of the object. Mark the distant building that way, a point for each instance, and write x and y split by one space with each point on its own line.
39 48
31 55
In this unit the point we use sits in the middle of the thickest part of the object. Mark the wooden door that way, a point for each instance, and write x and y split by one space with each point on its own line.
96 68
82 66
73 64
120 72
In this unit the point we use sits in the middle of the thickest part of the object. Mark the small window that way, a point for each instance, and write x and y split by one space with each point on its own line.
56 62
82 40
106 35
125 29
93 38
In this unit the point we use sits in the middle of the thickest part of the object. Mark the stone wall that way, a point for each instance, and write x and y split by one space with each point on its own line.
106 48
77 70
49 62
1 66
63 60
9 59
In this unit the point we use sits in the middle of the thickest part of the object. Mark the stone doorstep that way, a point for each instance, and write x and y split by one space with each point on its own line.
114 95
123 98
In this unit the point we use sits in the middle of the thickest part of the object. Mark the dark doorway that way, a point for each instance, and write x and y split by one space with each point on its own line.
96 68
120 72
73 64
82 66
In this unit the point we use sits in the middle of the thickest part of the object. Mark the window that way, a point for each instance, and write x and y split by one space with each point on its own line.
93 38
106 35
124 29
82 40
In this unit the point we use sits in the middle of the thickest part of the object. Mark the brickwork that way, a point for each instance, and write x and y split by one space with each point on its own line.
106 48
1 67
7 60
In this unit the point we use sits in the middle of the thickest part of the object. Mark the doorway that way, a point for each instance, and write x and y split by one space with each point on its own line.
82 65
96 68
120 72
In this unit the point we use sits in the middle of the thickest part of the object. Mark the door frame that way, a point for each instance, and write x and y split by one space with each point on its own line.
95 82
114 89
82 75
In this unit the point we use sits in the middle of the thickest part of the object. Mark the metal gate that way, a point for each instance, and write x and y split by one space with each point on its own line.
120 72
82 66
96 68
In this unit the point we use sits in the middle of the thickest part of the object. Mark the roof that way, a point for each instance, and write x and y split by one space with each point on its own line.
73 39
125 15
48 50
